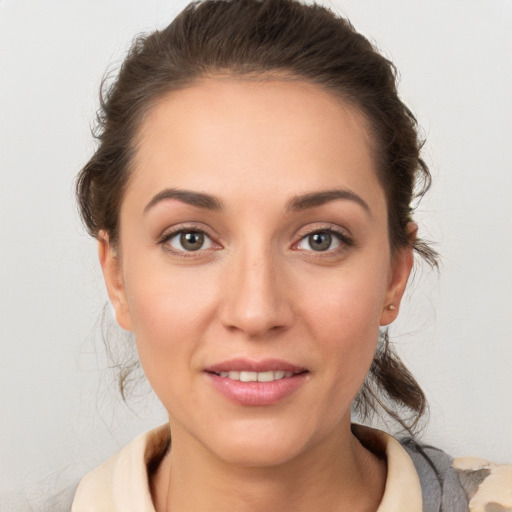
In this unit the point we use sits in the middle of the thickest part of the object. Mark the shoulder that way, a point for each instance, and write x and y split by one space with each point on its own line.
121 483
464 483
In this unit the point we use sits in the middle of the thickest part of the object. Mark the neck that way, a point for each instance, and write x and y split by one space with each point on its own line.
332 477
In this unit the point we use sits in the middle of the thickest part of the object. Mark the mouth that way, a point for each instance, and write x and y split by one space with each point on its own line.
252 383
265 376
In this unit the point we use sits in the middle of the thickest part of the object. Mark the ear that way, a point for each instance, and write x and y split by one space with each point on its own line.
401 267
113 276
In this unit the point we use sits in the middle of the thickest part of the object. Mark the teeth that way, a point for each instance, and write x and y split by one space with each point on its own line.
266 376
248 376
257 376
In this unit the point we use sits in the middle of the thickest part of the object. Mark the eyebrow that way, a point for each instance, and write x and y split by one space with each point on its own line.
296 204
197 199
313 199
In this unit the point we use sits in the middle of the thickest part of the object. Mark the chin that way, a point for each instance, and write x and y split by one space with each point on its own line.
262 444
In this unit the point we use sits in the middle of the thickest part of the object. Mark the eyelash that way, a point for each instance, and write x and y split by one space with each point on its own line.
344 240
168 236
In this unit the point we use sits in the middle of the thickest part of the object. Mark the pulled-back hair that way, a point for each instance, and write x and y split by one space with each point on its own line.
258 40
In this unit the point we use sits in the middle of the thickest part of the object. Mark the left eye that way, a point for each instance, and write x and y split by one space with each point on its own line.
190 241
320 241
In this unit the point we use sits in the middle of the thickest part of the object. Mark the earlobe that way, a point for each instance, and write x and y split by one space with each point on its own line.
401 267
113 276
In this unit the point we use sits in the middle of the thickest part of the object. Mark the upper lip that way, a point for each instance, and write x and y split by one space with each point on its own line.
250 365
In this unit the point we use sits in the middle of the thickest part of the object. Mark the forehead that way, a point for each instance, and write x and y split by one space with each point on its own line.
269 139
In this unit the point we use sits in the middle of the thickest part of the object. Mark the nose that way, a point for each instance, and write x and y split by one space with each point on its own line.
255 297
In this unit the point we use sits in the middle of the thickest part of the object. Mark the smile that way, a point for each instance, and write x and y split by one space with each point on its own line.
256 383
247 376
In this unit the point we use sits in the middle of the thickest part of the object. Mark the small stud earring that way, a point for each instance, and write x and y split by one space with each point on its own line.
391 307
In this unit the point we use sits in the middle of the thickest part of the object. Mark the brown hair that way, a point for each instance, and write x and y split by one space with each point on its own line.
257 39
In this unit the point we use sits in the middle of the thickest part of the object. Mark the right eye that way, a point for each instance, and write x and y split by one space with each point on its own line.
189 240
320 241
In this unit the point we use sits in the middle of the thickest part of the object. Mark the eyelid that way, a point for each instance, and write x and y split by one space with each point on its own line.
207 242
170 233
343 235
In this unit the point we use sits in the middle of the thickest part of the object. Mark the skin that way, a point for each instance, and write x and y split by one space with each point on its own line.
257 290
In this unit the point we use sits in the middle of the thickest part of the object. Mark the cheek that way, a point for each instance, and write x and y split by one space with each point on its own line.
350 327
349 298
169 311
161 295
344 311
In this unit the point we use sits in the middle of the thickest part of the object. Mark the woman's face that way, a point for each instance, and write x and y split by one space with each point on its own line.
254 265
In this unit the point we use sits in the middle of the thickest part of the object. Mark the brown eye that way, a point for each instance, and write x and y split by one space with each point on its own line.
322 241
190 241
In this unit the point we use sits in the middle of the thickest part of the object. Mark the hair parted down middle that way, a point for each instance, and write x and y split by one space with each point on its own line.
260 40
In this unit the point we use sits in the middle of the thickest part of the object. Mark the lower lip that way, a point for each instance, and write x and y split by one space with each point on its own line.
257 393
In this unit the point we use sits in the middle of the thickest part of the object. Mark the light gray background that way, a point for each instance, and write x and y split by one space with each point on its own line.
59 412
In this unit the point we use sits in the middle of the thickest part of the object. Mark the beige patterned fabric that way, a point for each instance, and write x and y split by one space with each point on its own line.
489 486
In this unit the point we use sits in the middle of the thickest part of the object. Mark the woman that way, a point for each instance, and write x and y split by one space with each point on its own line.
251 196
